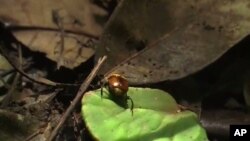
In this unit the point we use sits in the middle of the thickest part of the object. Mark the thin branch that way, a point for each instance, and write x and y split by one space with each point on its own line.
10 93
78 97
19 28
39 80
7 72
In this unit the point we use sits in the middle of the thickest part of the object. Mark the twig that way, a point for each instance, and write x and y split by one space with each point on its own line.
78 97
40 131
6 85
39 28
39 80
10 93
7 72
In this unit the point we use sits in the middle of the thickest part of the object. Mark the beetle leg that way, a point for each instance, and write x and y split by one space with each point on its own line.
101 91
132 104
103 85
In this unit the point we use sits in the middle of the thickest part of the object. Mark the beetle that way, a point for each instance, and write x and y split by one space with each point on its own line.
118 86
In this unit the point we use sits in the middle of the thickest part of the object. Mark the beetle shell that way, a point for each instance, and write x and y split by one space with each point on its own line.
117 85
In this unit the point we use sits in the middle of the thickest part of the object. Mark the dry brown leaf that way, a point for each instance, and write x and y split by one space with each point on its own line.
181 37
49 42
41 32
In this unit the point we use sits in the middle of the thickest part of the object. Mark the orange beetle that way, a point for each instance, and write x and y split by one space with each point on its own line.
117 86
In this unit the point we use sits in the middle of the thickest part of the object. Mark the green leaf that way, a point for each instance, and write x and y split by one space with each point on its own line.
156 117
